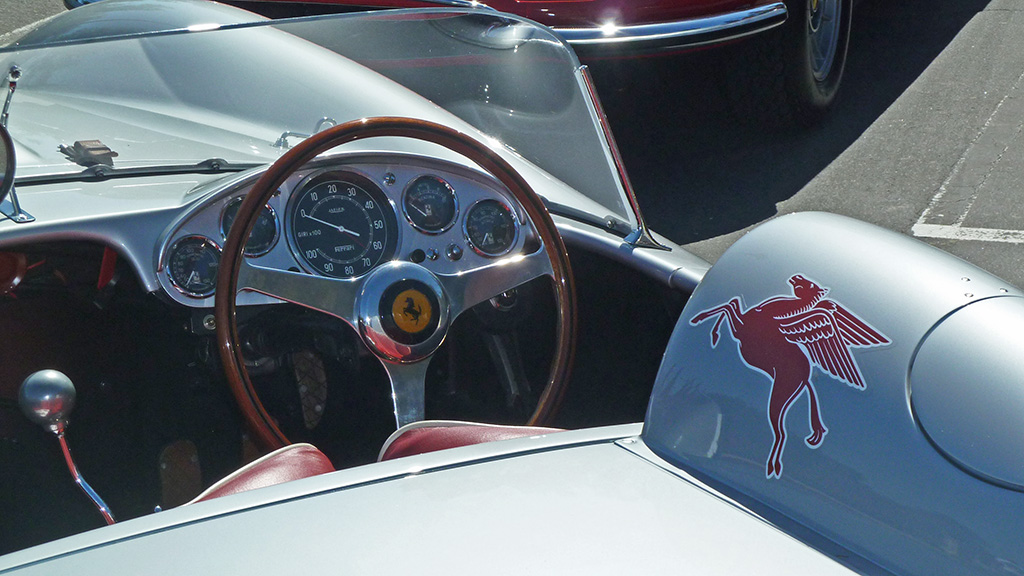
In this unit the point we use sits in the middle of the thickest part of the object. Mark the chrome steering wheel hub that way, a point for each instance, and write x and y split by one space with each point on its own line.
403 312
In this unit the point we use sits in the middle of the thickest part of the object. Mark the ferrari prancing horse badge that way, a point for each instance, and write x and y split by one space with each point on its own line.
784 337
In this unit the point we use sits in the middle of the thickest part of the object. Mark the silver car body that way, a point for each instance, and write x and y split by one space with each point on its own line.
910 357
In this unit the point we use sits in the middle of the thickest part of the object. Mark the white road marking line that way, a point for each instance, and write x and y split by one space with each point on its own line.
14 34
957 231
948 232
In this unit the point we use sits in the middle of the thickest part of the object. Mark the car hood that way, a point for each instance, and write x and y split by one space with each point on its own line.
138 136
450 512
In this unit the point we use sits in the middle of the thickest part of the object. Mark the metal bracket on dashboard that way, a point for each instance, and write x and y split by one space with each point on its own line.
642 238
282 140
12 210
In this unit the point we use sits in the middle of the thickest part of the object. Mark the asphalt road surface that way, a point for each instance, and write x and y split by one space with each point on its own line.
15 14
925 138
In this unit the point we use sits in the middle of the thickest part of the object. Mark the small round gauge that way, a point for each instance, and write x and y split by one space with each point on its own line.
430 204
264 233
491 228
341 224
192 266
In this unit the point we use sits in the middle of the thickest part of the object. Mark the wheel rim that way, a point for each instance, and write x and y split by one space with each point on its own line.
823 22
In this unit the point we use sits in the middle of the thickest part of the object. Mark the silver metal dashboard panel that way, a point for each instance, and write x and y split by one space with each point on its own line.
141 217
204 218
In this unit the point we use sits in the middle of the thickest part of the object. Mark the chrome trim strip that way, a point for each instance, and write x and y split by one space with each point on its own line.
675 268
683 32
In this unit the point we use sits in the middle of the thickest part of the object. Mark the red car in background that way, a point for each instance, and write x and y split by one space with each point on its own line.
604 26
790 70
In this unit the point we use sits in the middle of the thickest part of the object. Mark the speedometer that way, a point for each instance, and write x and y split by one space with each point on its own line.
341 225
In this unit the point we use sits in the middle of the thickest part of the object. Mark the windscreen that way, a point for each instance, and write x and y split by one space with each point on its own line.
231 90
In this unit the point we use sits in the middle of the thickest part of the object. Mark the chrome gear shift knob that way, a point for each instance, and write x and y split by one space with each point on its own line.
47 398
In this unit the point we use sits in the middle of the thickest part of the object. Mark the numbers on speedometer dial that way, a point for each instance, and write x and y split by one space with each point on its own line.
341 225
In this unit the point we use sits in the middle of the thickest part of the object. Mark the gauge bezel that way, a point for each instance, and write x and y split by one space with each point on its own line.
170 256
392 235
273 215
515 225
455 201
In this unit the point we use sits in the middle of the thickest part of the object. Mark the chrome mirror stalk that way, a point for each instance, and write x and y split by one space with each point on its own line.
13 75
9 205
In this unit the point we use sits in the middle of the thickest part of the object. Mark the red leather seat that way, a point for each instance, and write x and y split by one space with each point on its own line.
293 462
432 435
297 461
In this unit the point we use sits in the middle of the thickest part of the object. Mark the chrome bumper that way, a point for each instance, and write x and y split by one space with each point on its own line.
680 34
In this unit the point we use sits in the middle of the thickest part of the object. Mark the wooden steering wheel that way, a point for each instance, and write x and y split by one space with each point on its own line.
364 302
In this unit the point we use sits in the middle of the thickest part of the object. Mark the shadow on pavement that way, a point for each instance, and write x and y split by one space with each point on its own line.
699 172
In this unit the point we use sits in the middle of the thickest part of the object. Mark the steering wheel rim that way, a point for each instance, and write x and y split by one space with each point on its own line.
258 420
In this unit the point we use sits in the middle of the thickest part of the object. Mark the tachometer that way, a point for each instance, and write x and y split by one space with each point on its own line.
341 224
192 266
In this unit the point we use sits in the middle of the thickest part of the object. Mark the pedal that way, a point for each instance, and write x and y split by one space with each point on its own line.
311 380
181 478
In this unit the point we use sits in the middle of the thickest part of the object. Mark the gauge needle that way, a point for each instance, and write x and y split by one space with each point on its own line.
337 227
420 210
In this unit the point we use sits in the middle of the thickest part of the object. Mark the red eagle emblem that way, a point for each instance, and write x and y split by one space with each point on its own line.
784 337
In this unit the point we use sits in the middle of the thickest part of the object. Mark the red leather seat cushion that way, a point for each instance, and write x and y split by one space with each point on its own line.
428 436
292 462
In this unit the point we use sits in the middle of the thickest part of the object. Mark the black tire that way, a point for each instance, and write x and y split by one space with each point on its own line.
791 75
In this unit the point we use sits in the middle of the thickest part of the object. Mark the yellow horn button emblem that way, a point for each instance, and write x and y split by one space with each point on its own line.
412 311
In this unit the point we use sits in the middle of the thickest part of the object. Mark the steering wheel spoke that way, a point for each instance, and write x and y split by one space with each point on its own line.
408 390
328 295
471 288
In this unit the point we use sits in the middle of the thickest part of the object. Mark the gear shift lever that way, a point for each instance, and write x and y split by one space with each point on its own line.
47 398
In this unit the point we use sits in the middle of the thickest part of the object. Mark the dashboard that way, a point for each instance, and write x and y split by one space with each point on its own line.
341 217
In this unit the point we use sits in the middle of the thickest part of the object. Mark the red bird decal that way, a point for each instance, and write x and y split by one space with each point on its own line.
784 337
